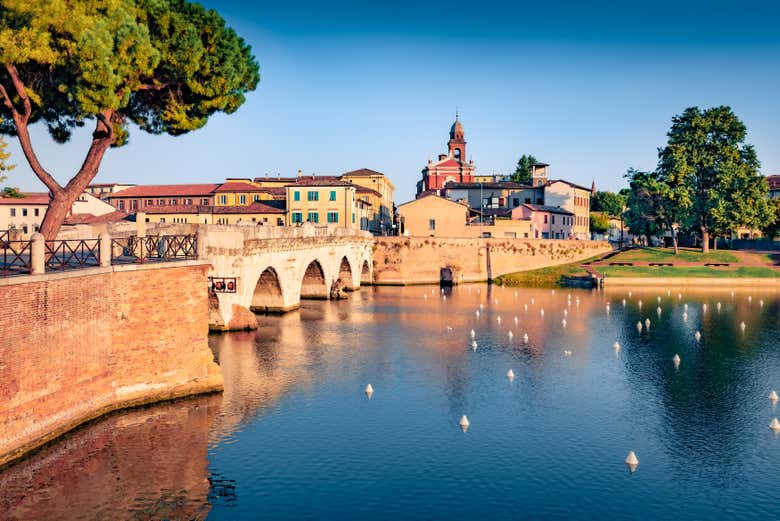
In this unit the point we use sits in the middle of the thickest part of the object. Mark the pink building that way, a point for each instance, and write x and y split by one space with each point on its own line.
547 222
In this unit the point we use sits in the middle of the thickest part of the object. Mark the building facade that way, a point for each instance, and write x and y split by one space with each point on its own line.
138 198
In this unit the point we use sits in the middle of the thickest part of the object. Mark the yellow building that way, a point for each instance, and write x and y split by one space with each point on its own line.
243 192
377 190
320 201
259 213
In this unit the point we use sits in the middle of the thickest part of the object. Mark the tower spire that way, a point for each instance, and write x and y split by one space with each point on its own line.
457 113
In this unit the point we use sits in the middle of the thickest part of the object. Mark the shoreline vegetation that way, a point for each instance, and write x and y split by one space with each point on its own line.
652 263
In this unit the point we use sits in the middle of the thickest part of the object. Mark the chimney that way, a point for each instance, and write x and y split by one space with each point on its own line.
300 173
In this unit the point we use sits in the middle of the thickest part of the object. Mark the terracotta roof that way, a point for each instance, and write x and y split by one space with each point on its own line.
36 198
500 185
362 172
236 186
548 209
277 179
88 218
365 190
774 181
190 190
256 207
320 181
551 181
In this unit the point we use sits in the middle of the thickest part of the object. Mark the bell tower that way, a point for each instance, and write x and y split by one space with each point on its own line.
457 143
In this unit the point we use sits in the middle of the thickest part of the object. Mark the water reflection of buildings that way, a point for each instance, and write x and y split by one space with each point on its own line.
149 463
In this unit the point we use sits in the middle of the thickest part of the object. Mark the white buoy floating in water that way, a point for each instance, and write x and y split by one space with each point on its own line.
742 326
563 322
632 461
510 375
498 319
616 346
629 294
566 352
775 425
679 296
565 312
717 305
697 336
541 312
761 302
525 338
510 335
464 423
477 313
515 319
647 324
473 333
525 307
496 301
624 302
607 307
668 292
685 306
369 391
658 311
750 299
474 345
659 300
773 396
481 306
640 303
676 360
685 316
639 326
532 300
704 308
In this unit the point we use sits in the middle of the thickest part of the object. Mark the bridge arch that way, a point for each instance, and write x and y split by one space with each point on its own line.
268 296
314 285
345 274
365 273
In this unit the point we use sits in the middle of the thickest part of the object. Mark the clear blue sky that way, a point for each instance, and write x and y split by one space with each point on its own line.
589 87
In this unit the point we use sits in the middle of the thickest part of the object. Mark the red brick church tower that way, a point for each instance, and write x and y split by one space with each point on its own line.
450 167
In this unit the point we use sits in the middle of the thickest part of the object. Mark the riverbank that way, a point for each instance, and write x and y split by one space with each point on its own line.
659 266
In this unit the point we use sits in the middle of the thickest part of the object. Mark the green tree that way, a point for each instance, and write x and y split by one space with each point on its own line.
643 213
524 169
599 222
770 229
164 65
707 164
609 202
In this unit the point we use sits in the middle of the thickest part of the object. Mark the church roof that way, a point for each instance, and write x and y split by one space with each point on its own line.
457 128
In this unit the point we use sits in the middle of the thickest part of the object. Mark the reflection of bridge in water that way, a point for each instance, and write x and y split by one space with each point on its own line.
274 268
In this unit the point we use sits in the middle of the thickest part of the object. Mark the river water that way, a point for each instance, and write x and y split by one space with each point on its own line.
294 436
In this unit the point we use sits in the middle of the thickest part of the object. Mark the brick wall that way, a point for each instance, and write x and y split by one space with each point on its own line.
418 260
74 346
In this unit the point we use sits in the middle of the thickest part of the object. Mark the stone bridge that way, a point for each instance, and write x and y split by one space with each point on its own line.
274 268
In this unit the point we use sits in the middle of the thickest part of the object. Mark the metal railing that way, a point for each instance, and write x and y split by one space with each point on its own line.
72 254
153 248
22 257
15 258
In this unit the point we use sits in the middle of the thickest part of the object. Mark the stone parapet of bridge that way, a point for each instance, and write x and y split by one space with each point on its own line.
270 269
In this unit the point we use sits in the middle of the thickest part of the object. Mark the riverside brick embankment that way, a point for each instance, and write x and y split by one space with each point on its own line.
77 345
420 260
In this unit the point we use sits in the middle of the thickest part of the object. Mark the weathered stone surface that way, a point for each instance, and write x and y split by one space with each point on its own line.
76 345
242 319
420 260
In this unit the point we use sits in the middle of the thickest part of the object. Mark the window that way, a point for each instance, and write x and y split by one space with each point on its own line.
187 201
545 219
162 219
174 202
148 202
296 196
552 219
313 217
297 217
353 218
333 217
121 204
279 221
204 201
160 202
147 219
431 224
37 212
313 195
257 197
242 199
24 228
134 204
527 200
223 199
13 212
333 195
516 201
24 212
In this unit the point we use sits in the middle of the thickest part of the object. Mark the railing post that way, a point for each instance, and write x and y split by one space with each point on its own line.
200 242
104 245
37 254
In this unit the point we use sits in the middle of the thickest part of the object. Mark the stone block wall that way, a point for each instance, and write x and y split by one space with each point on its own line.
419 260
76 345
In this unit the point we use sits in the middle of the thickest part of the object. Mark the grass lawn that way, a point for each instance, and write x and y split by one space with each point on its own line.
667 255
543 277
688 271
